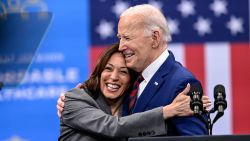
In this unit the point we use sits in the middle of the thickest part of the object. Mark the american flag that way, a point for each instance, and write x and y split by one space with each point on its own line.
210 38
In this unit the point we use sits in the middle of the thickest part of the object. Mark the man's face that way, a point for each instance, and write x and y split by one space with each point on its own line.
136 47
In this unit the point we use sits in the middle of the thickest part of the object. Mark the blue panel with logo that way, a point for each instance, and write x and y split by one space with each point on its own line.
43 51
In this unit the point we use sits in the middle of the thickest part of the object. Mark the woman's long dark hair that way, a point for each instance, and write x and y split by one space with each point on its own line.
93 83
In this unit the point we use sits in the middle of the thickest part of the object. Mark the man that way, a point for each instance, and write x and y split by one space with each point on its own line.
144 37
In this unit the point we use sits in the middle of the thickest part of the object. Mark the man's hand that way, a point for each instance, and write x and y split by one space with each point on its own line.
181 105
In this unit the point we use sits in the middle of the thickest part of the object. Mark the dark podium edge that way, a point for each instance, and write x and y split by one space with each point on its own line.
195 138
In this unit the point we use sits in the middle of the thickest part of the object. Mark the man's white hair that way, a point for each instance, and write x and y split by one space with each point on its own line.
152 18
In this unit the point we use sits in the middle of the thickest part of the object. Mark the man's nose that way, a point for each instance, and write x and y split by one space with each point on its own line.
122 45
121 48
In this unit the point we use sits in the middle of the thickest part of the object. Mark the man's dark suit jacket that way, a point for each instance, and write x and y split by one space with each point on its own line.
170 79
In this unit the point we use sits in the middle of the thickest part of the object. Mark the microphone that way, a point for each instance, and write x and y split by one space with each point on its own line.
196 103
220 103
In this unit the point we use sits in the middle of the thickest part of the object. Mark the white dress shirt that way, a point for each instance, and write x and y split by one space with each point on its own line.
151 70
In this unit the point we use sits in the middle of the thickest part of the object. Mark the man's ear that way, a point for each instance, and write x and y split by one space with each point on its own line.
156 39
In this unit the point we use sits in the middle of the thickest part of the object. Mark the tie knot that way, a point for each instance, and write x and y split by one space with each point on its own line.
139 78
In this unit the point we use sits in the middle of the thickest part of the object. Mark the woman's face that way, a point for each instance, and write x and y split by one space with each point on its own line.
115 77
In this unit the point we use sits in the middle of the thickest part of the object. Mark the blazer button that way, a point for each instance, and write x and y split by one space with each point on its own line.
140 134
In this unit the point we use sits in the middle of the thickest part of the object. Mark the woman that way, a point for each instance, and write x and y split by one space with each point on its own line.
92 113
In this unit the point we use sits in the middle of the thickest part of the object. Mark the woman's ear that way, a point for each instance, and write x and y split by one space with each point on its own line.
156 39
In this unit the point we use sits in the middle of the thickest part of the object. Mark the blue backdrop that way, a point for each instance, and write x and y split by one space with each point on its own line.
43 51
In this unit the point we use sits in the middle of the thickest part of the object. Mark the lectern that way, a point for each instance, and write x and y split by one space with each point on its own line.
195 138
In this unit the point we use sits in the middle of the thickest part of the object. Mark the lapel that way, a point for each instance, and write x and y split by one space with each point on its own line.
103 104
154 84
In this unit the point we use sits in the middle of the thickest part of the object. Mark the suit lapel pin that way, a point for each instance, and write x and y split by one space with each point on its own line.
156 83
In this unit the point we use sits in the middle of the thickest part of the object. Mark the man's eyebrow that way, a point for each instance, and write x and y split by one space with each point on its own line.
127 34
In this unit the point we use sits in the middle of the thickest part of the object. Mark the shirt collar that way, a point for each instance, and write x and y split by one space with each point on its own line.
154 66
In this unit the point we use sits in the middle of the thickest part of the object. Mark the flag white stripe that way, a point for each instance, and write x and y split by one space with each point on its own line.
218 71
179 52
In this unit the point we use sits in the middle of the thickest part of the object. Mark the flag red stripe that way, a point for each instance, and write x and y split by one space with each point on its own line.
95 53
194 60
240 57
